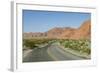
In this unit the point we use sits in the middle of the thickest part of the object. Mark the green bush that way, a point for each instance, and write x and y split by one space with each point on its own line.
30 44
78 45
33 43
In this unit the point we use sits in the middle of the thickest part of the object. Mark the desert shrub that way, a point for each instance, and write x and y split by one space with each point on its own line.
33 43
29 43
78 45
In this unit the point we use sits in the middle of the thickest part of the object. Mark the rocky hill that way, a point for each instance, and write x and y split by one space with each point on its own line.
83 32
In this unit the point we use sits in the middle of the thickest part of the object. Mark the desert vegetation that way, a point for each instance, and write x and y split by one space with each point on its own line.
82 46
35 43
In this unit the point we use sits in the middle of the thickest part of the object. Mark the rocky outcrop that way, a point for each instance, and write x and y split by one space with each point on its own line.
83 32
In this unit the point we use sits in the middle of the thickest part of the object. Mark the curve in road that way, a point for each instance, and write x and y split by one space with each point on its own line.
51 52
57 53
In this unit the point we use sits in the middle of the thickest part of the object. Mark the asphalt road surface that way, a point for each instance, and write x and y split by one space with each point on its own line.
49 53
57 53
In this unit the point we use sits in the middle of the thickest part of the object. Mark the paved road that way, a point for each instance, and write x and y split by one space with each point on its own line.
38 55
49 53
57 53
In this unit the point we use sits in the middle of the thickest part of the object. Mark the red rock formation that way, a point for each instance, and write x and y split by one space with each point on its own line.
83 32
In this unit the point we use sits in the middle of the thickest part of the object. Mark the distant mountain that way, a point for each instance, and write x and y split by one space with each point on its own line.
83 32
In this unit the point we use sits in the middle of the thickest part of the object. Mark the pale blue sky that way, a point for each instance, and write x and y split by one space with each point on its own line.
41 21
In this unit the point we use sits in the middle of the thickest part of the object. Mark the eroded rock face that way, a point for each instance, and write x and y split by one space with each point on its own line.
83 32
